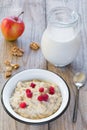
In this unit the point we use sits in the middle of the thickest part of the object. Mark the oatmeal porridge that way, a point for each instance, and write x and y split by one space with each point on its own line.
36 99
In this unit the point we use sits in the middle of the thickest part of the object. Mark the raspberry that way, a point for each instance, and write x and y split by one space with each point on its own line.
45 97
29 95
51 90
41 89
23 105
32 85
28 90
40 98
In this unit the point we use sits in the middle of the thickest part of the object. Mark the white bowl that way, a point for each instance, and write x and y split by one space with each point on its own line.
29 75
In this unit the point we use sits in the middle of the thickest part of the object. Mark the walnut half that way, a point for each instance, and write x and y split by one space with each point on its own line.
15 66
34 46
16 51
7 62
8 74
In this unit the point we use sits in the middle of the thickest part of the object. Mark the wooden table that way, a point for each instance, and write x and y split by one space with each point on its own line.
35 18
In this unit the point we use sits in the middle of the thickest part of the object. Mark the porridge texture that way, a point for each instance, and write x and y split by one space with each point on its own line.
36 99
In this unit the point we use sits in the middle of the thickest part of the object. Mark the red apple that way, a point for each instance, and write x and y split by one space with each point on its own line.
12 27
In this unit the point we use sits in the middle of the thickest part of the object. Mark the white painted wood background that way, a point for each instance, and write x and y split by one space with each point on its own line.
35 18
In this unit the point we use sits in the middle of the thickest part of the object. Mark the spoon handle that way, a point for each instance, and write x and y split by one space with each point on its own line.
75 106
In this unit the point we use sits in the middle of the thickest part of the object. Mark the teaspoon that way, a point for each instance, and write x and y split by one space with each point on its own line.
79 80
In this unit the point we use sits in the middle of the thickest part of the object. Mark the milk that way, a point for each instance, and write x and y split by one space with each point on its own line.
60 45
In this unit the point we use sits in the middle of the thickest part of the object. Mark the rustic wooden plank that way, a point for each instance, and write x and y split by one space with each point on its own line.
79 64
34 18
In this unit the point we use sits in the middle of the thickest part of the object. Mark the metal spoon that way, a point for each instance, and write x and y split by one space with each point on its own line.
79 80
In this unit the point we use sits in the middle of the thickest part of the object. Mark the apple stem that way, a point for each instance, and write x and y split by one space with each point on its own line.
20 14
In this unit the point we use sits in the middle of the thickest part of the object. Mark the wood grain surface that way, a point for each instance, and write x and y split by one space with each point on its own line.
36 17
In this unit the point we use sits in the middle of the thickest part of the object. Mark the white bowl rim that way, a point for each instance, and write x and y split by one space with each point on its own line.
41 122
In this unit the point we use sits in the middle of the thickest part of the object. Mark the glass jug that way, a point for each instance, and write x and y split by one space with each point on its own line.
61 40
